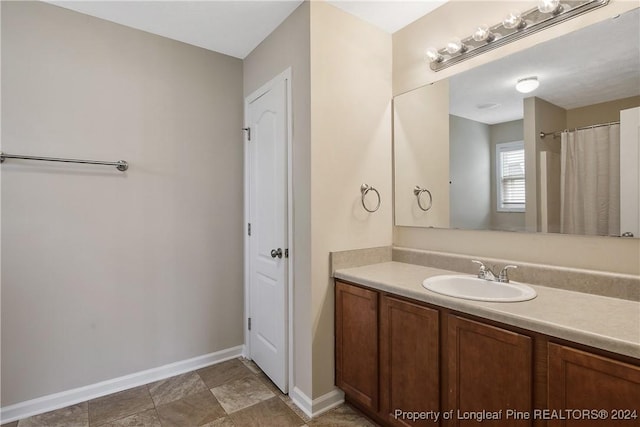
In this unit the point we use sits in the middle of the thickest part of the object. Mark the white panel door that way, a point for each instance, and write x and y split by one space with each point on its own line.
267 150
630 171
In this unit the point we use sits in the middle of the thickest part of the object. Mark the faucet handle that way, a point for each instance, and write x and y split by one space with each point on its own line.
504 273
483 268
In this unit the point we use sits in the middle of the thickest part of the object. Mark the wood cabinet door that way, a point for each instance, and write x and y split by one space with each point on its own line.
583 381
409 362
357 343
489 369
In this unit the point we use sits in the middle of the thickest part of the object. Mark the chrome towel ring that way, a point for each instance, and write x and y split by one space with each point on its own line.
418 192
364 189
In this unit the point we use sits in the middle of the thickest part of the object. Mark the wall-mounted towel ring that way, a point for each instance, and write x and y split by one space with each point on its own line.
364 189
418 192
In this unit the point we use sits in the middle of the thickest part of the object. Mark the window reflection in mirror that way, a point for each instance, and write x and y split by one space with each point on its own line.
509 174
502 174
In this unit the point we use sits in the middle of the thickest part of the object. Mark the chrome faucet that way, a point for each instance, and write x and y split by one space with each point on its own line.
487 273
503 277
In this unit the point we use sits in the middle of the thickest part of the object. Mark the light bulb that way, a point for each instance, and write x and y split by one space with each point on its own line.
528 84
454 46
482 33
513 20
433 55
549 6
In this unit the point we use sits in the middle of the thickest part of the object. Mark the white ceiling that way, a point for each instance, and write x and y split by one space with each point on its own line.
389 15
596 64
236 27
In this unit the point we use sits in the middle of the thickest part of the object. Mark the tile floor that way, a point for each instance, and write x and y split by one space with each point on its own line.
230 394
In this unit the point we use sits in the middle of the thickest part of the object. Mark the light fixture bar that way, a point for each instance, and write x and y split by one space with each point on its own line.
533 21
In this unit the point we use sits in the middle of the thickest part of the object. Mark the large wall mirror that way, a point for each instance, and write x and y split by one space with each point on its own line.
469 151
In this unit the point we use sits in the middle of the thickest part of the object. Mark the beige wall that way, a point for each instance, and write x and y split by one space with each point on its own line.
107 273
350 145
421 155
603 112
288 46
410 70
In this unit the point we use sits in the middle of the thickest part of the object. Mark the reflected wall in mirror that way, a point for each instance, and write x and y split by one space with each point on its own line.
477 143
421 155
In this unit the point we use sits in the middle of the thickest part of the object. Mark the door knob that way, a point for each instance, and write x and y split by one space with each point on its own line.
276 253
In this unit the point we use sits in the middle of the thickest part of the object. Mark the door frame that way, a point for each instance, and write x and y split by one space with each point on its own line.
286 76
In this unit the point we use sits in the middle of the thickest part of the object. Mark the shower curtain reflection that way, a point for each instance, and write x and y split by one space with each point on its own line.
590 181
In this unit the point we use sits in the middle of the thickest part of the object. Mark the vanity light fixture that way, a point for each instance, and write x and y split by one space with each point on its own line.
433 55
514 21
550 6
528 84
454 46
483 34
515 26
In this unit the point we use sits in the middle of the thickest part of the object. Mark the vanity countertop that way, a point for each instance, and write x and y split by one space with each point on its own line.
610 324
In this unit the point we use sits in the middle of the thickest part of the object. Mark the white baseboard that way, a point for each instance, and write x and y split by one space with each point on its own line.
302 401
318 406
54 401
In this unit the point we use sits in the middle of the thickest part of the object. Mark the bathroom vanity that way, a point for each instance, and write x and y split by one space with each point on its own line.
404 352
473 153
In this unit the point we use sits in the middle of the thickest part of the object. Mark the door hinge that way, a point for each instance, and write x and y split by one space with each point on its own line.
286 253
249 229
248 130
249 323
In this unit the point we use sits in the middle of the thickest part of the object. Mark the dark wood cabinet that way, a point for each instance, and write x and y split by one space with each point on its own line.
409 361
357 344
393 353
488 369
579 380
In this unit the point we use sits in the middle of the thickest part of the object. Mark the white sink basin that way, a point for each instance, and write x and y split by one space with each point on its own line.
470 287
